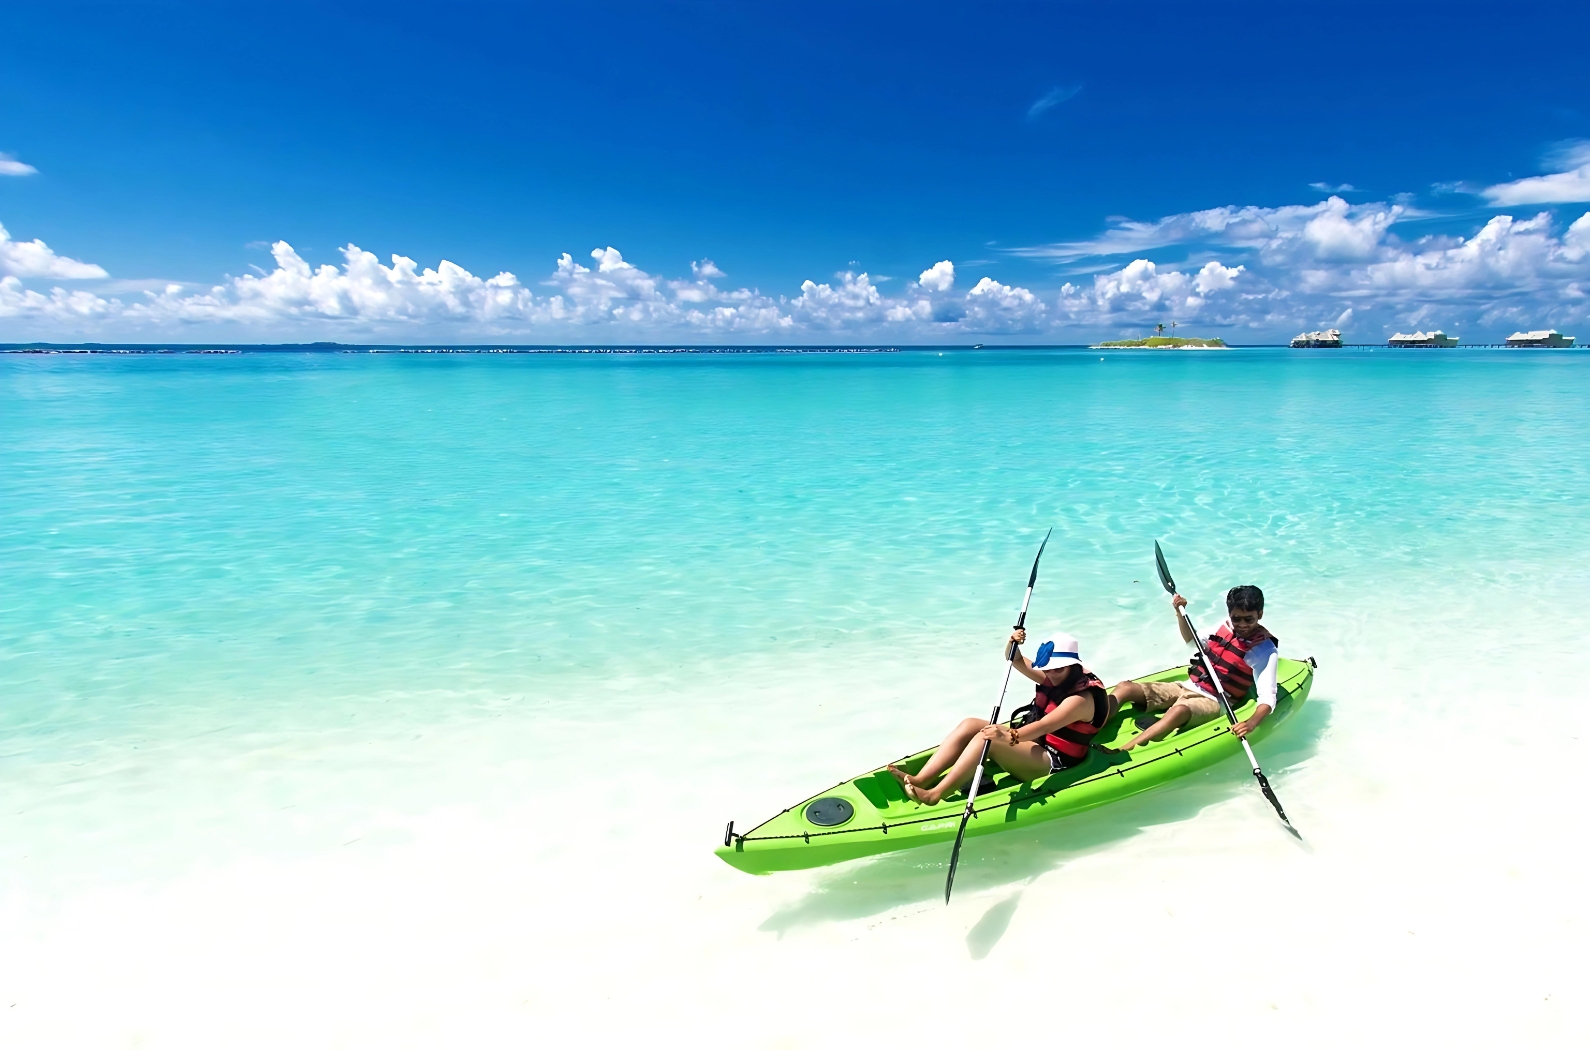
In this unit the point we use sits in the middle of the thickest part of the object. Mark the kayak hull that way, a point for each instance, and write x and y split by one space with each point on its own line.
881 819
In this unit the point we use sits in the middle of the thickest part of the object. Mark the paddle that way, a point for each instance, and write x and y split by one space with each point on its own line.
993 719
1225 701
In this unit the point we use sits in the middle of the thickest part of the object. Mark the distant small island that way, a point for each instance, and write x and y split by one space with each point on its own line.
1162 342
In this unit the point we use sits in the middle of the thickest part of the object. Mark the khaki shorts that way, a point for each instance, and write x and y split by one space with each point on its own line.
1161 696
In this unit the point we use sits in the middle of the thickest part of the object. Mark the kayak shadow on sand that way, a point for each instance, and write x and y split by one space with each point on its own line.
875 885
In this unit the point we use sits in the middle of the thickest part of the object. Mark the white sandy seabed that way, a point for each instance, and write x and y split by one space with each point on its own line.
415 724
546 883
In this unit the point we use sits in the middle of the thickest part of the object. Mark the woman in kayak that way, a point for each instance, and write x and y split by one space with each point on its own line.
1071 706
1245 657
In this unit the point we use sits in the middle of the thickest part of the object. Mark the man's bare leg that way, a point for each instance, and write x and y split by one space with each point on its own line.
1176 717
1128 693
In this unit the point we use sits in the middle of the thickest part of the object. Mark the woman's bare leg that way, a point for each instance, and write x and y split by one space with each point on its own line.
947 753
960 773
1027 761
1175 717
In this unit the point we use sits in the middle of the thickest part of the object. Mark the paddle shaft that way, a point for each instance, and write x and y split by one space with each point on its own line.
982 756
1225 701
993 719
1231 716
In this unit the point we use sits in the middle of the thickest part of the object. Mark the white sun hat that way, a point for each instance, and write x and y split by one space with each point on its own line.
1055 650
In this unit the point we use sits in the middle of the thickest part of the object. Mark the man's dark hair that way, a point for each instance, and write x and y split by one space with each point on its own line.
1248 598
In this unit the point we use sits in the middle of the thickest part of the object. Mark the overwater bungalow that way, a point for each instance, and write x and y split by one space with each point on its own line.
1550 337
1328 338
1435 338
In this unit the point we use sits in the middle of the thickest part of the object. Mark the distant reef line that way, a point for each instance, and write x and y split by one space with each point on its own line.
155 349
438 348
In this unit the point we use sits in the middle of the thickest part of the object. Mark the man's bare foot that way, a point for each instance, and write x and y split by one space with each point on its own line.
920 795
902 776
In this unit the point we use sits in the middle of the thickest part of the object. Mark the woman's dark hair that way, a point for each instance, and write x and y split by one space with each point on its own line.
1248 598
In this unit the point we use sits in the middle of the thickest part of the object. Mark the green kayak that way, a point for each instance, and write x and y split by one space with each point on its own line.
871 814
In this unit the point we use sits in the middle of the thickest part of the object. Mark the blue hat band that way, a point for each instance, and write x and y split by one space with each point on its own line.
1046 653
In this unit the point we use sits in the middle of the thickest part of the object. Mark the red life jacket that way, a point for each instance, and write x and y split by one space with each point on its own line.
1229 654
1072 740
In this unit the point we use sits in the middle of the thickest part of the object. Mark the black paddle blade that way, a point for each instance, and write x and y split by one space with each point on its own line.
1164 570
1033 579
955 858
1269 794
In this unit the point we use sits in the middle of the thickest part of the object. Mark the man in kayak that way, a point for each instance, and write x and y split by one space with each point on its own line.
1071 706
1245 658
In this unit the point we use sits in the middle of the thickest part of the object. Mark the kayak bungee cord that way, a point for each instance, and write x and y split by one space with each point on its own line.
993 719
1225 701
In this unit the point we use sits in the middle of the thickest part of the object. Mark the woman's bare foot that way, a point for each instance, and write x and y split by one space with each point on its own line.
902 776
920 795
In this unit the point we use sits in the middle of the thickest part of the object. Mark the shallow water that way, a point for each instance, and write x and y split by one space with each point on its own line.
399 701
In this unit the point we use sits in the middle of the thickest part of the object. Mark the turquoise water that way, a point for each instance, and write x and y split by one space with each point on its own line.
447 672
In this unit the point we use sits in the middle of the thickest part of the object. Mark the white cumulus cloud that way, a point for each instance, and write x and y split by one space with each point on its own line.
35 259
1249 273
995 307
1570 184
615 291
855 301
939 277
9 165
362 290
59 305
1506 256
362 294
1142 288
1301 264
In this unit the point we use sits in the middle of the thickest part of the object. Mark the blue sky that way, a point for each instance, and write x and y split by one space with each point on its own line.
746 173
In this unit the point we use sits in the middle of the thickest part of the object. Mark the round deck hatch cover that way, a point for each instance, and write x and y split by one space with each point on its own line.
829 812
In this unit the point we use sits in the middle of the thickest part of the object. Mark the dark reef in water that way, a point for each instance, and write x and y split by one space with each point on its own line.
440 348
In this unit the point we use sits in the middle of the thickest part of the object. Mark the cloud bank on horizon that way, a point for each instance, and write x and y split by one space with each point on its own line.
1258 272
